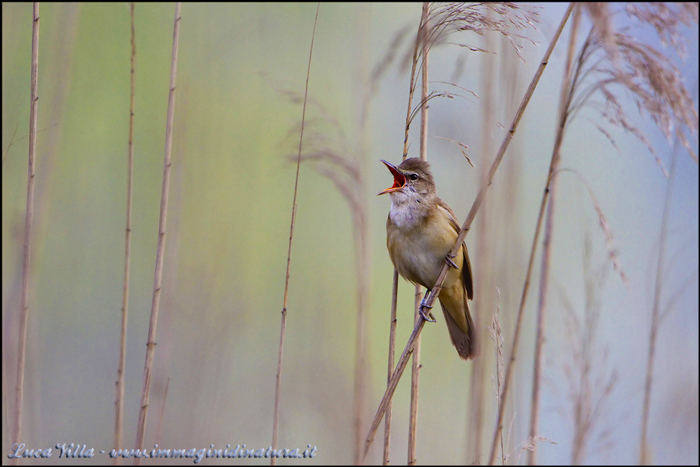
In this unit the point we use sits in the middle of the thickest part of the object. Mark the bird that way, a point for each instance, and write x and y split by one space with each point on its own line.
421 231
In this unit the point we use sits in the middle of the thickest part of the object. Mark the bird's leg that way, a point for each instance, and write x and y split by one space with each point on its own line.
424 306
449 261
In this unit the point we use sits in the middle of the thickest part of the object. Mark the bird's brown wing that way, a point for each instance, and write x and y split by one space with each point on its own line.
466 265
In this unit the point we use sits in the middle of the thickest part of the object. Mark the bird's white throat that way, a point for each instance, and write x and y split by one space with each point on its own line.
407 209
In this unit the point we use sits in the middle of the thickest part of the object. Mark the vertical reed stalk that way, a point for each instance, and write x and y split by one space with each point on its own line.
415 370
415 378
551 191
160 252
127 252
424 82
518 326
28 221
403 360
283 325
498 341
509 74
395 288
477 401
412 86
656 317
390 365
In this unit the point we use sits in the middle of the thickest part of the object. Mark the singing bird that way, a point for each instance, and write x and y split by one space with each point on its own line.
420 232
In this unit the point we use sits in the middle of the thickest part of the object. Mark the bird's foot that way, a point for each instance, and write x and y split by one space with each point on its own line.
424 310
449 261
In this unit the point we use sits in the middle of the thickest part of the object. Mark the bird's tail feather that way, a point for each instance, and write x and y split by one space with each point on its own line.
465 342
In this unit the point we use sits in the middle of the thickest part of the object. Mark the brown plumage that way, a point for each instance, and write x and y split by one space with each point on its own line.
421 231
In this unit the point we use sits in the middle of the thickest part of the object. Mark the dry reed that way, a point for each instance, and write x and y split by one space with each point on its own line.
611 60
551 192
507 19
160 252
119 403
275 422
415 367
656 316
484 259
390 365
511 215
28 222
395 288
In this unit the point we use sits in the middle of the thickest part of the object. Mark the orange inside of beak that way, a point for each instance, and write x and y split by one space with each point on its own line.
399 179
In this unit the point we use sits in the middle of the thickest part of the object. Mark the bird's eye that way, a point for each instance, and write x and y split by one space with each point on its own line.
414 177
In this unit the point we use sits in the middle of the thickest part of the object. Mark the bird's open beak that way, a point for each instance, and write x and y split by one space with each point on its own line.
399 179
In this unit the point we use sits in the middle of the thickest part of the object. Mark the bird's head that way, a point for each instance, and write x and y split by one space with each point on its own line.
412 179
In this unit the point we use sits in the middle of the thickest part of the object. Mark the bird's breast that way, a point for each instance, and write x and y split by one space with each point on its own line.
418 248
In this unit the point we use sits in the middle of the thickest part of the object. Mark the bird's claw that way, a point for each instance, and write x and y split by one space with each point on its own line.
449 261
428 316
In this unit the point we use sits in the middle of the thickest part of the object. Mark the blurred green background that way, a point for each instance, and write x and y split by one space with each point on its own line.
228 226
